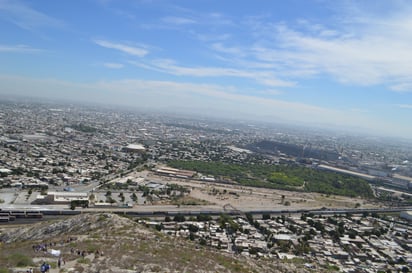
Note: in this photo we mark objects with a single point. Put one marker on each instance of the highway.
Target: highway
(160, 211)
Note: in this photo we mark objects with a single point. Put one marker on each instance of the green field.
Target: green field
(286, 177)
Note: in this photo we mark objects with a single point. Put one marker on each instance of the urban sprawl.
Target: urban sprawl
(238, 186)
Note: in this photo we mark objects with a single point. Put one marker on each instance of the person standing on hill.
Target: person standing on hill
(43, 267)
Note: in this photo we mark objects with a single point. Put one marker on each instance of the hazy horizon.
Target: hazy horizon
(343, 64)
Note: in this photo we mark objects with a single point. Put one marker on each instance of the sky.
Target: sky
(337, 64)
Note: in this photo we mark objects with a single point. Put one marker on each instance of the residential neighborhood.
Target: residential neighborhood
(349, 243)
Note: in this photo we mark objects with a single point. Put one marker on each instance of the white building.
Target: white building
(61, 197)
(134, 148)
(406, 215)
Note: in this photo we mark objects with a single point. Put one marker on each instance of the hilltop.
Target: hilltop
(110, 243)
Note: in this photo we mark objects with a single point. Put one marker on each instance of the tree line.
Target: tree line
(282, 176)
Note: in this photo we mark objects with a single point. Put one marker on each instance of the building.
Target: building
(406, 215)
(4, 171)
(134, 148)
(61, 197)
(175, 172)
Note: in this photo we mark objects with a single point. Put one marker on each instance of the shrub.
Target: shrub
(83, 260)
(20, 260)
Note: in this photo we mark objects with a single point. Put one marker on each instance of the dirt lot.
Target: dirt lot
(249, 198)
(209, 195)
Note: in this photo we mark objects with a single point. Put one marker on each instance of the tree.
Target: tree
(319, 226)
(203, 217)
(193, 228)
(110, 200)
(284, 246)
(134, 197)
(352, 233)
(335, 235)
(249, 218)
(79, 203)
(159, 227)
(179, 218)
(121, 195)
(301, 248)
(266, 216)
(92, 197)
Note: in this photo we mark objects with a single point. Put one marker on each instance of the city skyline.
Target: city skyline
(343, 64)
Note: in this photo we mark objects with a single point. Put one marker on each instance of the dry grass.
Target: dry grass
(190, 201)
(126, 245)
(129, 247)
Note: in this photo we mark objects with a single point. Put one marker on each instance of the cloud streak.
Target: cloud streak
(113, 65)
(371, 51)
(26, 17)
(18, 49)
(368, 50)
(130, 50)
(405, 106)
(169, 66)
(178, 20)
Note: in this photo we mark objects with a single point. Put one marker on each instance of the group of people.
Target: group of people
(40, 247)
(44, 246)
(45, 267)
(78, 252)
(84, 253)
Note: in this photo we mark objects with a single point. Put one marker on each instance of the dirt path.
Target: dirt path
(70, 265)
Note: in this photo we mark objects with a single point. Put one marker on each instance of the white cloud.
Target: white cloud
(213, 37)
(218, 19)
(228, 50)
(405, 106)
(368, 51)
(402, 87)
(131, 50)
(169, 66)
(113, 65)
(178, 20)
(272, 92)
(18, 49)
(26, 17)
(359, 110)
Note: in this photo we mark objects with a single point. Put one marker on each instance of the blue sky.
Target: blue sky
(342, 64)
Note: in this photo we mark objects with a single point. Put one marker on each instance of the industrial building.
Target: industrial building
(407, 215)
(61, 198)
(175, 172)
(134, 148)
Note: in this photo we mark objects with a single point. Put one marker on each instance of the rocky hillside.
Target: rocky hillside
(109, 243)
(82, 224)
